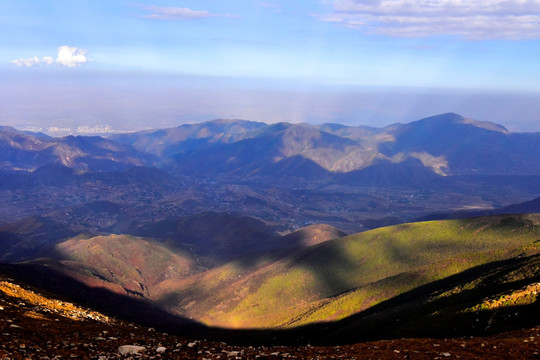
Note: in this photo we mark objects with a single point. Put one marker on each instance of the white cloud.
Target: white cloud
(175, 13)
(67, 56)
(47, 60)
(473, 19)
(71, 56)
(26, 62)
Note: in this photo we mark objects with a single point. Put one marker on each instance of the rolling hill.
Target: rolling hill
(532, 206)
(320, 282)
(121, 263)
(216, 236)
(338, 278)
(133, 265)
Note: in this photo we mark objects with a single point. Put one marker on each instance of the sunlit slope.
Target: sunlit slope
(487, 299)
(338, 278)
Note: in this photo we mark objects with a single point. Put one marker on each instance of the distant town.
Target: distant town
(80, 130)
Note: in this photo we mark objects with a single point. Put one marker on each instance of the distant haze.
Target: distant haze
(137, 101)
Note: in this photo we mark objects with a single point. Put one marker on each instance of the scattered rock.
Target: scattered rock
(161, 350)
(131, 349)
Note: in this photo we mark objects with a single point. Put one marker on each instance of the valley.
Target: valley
(244, 231)
(279, 174)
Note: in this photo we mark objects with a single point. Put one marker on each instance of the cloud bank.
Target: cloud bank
(472, 19)
(69, 56)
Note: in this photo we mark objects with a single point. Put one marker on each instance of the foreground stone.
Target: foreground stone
(131, 349)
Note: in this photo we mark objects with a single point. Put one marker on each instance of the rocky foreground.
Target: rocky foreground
(37, 326)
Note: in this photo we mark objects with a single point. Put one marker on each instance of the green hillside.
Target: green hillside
(487, 299)
(339, 278)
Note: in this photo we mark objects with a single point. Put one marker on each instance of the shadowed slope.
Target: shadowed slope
(218, 236)
(121, 263)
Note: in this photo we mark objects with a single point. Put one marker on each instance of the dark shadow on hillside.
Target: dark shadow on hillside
(100, 299)
(330, 271)
(332, 278)
(416, 313)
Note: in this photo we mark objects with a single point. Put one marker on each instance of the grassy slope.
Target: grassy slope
(336, 279)
(487, 299)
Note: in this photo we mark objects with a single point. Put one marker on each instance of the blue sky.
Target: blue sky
(160, 63)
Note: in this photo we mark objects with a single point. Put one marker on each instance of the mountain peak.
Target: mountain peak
(453, 118)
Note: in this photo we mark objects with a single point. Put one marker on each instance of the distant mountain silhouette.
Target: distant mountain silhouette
(446, 144)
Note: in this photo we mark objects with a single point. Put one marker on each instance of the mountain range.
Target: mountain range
(446, 144)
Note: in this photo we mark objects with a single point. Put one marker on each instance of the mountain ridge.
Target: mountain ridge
(439, 142)
(446, 144)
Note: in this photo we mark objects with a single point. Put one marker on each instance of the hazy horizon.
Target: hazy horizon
(164, 63)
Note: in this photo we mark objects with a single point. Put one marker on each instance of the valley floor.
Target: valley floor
(34, 326)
